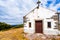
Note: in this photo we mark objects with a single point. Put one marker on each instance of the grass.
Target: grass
(12, 34)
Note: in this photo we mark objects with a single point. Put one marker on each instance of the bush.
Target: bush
(4, 26)
(19, 26)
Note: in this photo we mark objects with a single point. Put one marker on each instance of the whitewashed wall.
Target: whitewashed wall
(40, 14)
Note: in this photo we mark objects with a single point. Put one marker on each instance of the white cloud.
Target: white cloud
(16, 9)
(57, 6)
(15, 13)
(44, 2)
(51, 6)
(54, 7)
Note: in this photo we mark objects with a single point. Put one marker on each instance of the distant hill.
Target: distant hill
(13, 25)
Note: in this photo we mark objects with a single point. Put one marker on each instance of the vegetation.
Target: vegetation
(15, 32)
(5, 26)
(18, 26)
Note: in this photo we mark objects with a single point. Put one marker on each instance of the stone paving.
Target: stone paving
(38, 36)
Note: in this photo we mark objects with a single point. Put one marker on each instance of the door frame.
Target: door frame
(42, 25)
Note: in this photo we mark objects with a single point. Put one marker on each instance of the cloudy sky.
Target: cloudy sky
(12, 11)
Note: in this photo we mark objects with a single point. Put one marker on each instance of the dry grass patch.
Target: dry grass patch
(13, 34)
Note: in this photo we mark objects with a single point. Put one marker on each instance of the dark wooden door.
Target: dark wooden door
(38, 26)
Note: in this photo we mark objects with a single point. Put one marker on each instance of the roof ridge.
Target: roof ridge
(48, 9)
(41, 7)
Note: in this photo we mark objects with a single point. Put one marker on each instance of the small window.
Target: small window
(29, 24)
(49, 24)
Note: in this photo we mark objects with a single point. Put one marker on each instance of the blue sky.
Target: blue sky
(12, 11)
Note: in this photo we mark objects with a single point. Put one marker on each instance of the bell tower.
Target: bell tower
(38, 4)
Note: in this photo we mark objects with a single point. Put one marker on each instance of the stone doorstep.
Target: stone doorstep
(38, 35)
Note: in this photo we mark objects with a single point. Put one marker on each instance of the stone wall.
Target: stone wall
(55, 17)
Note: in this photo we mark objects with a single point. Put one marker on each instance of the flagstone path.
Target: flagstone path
(38, 36)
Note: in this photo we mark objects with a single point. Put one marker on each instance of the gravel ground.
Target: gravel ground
(38, 36)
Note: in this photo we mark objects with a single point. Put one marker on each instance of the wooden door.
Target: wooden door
(38, 26)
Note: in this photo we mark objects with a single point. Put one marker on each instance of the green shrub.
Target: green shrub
(5, 26)
(19, 26)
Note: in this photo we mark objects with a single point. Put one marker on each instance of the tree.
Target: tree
(4, 26)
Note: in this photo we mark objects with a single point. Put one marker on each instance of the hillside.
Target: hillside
(12, 34)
